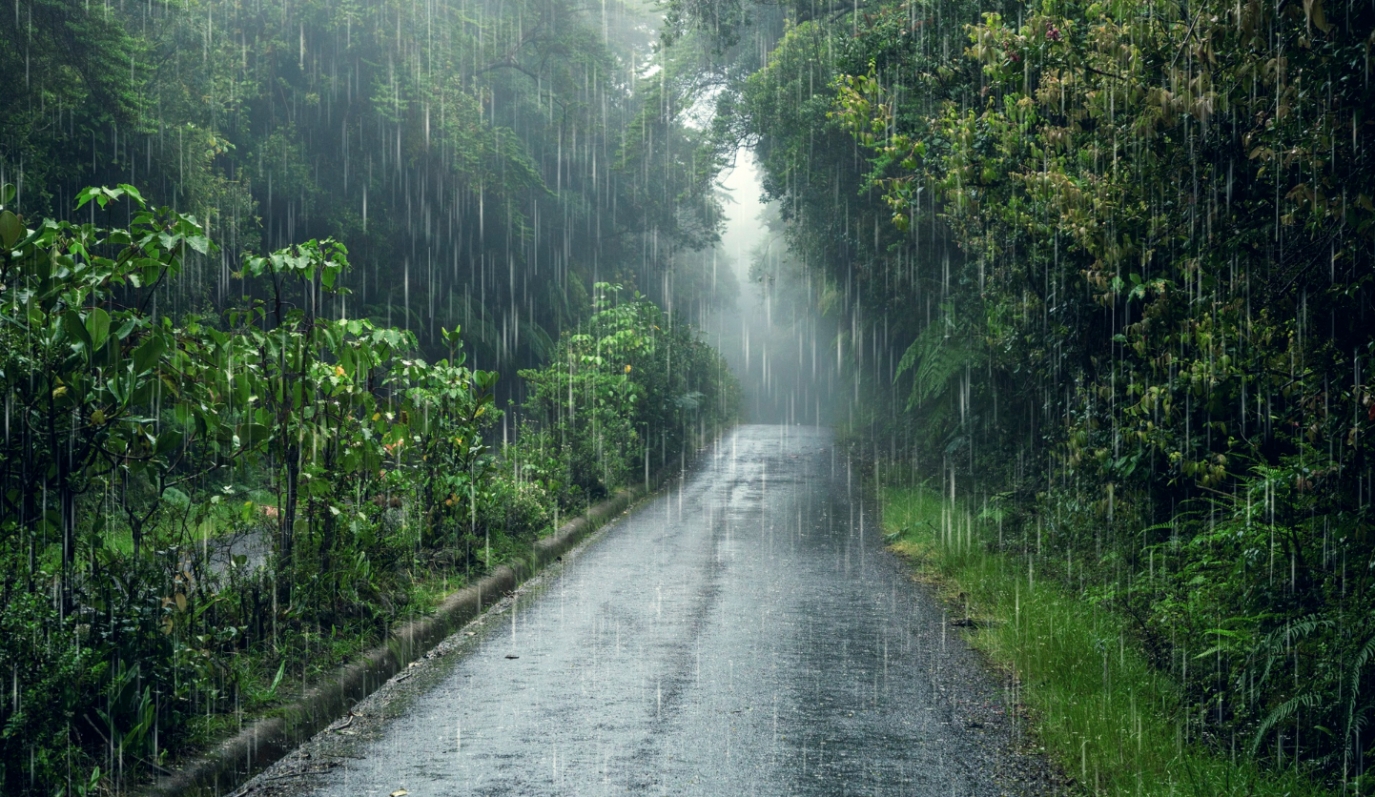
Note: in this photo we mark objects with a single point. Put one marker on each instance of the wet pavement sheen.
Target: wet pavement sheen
(742, 633)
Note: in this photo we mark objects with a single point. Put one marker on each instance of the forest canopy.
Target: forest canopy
(1106, 264)
(252, 256)
(1109, 265)
(483, 162)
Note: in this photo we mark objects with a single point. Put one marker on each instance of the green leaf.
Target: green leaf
(253, 434)
(71, 322)
(98, 325)
(169, 440)
(86, 195)
(147, 354)
(272, 690)
(328, 274)
(132, 193)
(11, 229)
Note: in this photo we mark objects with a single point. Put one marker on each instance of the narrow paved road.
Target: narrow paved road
(744, 633)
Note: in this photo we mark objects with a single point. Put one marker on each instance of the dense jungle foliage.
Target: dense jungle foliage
(483, 162)
(625, 395)
(242, 433)
(1108, 267)
(192, 502)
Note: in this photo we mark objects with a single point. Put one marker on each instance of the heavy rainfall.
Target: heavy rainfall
(410, 397)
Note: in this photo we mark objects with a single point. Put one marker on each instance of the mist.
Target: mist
(779, 345)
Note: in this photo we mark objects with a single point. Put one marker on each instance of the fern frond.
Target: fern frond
(1281, 639)
(938, 355)
(1281, 713)
(1356, 716)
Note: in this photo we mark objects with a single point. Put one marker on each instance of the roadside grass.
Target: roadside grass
(263, 679)
(431, 587)
(1108, 718)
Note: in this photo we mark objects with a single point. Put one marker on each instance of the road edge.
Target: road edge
(263, 742)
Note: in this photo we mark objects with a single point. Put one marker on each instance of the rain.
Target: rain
(687, 396)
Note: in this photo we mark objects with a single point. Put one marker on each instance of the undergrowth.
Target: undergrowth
(1112, 721)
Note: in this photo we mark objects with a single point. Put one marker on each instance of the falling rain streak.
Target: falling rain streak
(376, 294)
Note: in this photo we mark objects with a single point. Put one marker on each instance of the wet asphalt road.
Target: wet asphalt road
(742, 633)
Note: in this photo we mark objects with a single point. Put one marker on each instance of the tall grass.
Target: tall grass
(1100, 710)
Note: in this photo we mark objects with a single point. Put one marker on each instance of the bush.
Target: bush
(626, 393)
(344, 466)
(129, 429)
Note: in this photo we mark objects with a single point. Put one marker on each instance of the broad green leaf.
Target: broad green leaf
(76, 330)
(98, 325)
(132, 193)
(328, 274)
(169, 440)
(86, 195)
(11, 228)
(147, 354)
(253, 434)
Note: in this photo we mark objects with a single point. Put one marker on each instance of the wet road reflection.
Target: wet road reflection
(743, 633)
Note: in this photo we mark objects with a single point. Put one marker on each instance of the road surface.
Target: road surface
(742, 633)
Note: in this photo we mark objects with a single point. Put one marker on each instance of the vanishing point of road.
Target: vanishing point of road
(744, 632)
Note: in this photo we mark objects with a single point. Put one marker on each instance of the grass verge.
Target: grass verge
(265, 679)
(1100, 710)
